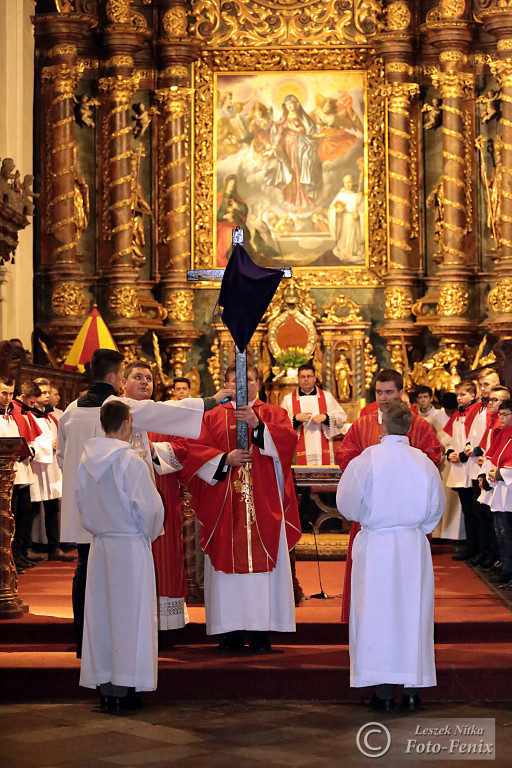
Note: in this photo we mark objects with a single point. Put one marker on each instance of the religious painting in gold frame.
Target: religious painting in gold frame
(312, 198)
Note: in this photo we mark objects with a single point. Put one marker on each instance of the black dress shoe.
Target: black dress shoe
(487, 563)
(507, 587)
(491, 568)
(259, 642)
(381, 705)
(34, 557)
(19, 568)
(476, 560)
(25, 562)
(500, 576)
(232, 641)
(119, 704)
(58, 554)
(461, 556)
(411, 702)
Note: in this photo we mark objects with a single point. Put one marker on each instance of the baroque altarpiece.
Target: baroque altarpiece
(366, 144)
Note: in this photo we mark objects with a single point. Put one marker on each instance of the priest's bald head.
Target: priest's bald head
(389, 386)
(396, 418)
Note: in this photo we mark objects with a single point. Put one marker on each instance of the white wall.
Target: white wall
(16, 123)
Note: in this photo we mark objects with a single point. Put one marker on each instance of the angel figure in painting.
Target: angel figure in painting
(333, 117)
(143, 117)
(433, 115)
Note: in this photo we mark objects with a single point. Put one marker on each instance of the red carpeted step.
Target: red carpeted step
(465, 673)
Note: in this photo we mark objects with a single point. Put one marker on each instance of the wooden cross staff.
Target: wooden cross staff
(196, 275)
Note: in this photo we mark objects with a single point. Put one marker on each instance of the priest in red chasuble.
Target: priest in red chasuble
(245, 502)
(367, 431)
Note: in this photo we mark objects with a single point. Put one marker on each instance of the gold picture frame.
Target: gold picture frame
(209, 71)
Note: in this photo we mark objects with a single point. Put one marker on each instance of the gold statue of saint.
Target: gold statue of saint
(343, 378)
(81, 202)
(140, 208)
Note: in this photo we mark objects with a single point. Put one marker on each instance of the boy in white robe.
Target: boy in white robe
(120, 506)
(395, 492)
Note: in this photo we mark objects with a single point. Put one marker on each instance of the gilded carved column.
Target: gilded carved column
(175, 98)
(395, 45)
(498, 21)
(123, 36)
(450, 33)
(62, 222)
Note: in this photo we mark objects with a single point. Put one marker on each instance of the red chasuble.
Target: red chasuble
(237, 537)
(168, 548)
(363, 433)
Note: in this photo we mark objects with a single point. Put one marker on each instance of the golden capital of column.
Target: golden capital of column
(502, 71)
(64, 76)
(453, 85)
(175, 99)
(399, 94)
(120, 87)
(63, 49)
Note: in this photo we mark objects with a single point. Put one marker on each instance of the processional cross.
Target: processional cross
(196, 275)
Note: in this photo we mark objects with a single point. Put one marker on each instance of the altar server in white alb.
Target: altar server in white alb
(316, 418)
(121, 508)
(395, 492)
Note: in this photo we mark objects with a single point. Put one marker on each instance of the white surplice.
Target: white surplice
(47, 475)
(256, 602)
(174, 417)
(451, 525)
(121, 508)
(395, 492)
(313, 432)
(23, 469)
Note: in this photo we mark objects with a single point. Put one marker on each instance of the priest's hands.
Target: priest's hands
(303, 416)
(223, 394)
(319, 418)
(492, 474)
(238, 457)
(246, 413)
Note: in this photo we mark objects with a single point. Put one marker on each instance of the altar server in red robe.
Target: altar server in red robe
(246, 535)
(367, 431)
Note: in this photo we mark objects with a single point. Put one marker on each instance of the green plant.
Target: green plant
(292, 357)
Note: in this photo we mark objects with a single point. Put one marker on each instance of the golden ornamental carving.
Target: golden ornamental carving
(398, 16)
(453, 85)
(259, 23)
(119, 61)
(120, 87)
(502, 71)
(214, 363)
(399, 68)
(68, 300)
(453, 56)
(370, 364)
(398, 303)
(453, 300)
(64, 49)
(283, 60)
(120, 12)
(343, 302)
(175, 99)
(175, 22)
(504, 45)
(500, 298)
(451, 9)
(180, 306)
(177, 70)
(124, 302)
(64, 77)
(399, 95)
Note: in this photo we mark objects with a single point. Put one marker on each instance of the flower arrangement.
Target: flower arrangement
(292, 357)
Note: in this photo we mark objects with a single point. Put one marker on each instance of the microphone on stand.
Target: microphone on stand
(322, 595)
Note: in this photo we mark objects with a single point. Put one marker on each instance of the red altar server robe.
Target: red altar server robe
(168, 548)
(232, 545)
(363, 433)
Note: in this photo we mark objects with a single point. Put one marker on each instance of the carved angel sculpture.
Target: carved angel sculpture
(433, 115)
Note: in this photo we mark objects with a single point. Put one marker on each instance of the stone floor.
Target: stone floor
(256, 734)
